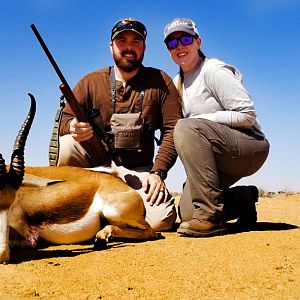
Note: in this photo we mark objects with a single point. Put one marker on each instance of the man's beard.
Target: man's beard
(127, 65)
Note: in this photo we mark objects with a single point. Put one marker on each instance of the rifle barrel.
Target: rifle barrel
(49, 55)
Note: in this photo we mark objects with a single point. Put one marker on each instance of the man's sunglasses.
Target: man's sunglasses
(185, 40)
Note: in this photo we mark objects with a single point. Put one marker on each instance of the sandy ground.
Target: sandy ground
(259, 264)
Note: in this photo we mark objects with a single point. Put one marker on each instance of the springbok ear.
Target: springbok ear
(17, 165)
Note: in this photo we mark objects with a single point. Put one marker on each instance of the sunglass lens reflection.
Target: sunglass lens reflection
(186, 40)
(172, 44)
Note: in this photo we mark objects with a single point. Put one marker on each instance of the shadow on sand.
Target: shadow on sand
(41, 252)
(233, 227)
(22, 255)
(261, 226)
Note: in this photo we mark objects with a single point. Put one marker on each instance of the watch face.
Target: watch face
(163, 175)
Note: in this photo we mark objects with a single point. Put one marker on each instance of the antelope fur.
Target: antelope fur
(70, 210)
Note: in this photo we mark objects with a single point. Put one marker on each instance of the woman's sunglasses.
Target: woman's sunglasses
(185, 40)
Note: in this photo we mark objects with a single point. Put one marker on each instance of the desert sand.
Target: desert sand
(263, 263)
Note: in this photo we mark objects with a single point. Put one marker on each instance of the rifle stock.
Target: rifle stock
(95, 144)
(73, 103)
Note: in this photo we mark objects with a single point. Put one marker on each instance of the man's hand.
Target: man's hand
(80, 131)
(155, 189)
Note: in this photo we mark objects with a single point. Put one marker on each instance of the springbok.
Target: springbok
(64, 205)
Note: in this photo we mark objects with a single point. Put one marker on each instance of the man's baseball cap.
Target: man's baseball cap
(129, 24)
(181, 24)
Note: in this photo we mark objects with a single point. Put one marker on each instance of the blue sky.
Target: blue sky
(260, 37)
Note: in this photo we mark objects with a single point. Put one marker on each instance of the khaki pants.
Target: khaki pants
(215, 157)
(160, 218)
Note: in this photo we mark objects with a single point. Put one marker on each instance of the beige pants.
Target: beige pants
(219, 157)
(160, 218)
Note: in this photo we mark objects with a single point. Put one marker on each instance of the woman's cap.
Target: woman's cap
(131, 25)
(181, 24)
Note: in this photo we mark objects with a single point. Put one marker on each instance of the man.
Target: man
(126, 89)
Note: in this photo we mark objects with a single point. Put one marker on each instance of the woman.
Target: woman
(219, 141)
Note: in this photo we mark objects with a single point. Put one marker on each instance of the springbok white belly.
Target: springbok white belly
(77, 231)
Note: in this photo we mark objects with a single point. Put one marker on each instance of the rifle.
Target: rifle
(97, 141)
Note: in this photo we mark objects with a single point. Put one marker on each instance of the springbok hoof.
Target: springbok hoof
(100, 244)
(4, 256)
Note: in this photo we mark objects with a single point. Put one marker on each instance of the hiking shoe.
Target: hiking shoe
(200, 228)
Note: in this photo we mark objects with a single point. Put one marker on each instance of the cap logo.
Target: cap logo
(178, 23)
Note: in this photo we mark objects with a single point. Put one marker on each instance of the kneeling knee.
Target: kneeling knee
(164, 222)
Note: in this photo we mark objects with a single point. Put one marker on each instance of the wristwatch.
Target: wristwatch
(162, 174)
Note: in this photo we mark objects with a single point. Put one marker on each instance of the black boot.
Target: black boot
(239, 203)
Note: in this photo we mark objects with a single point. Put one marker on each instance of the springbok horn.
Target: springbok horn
(17, 165)
(2, 172)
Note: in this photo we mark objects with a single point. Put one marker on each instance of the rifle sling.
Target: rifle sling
(54, 142)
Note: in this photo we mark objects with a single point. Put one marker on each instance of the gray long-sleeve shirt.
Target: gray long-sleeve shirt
(214, 90)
